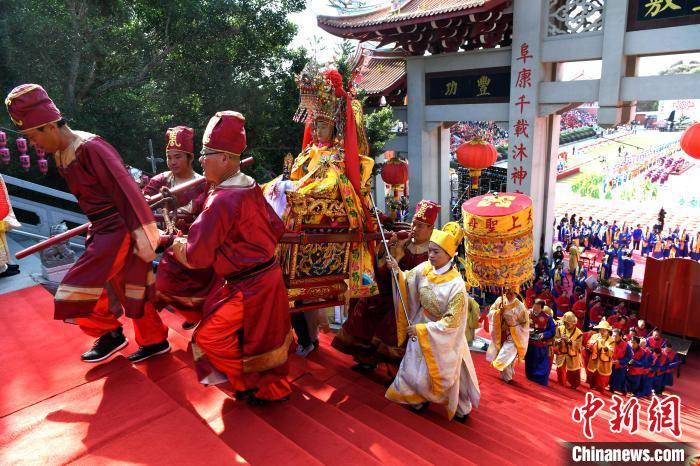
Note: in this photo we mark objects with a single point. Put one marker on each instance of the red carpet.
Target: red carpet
(55, 409)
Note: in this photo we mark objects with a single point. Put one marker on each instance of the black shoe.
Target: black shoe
(419, 408)
(189, 325)
(255, 401)
(364, 368)
(461, 418)
(13, 266)
(145, 352)
(105, 346)
(9, 272)
(244, 394)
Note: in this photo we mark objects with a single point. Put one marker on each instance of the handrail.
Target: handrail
(41, 237)
(39, 188)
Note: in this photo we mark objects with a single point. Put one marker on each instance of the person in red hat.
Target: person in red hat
(245, 333)
(183, 289)
(119, 249)
(369, 333)
(179, 153)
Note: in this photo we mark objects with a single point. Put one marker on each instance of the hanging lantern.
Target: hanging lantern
(690, 141)
(476, 155)
(395, 171)
(3, 139)
(43, 166)
(5, 155)
(21, 145)
(25, 161)
(498, 236)
(40, 152)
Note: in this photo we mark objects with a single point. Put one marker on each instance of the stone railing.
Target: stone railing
(575, 16)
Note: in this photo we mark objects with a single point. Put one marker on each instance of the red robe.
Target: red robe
(176, 285)
(96, 175)
(237, 234)
(369, 333)
(186, 213)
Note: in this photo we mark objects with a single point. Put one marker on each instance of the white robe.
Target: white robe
(515, 320)
(437, 366)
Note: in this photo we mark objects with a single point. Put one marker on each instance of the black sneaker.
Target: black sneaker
(253, 400)
(10, 272)
(364, 368)
(189, 325)
(244, 394)
(145, 352)
(461, 418)
(105, 346)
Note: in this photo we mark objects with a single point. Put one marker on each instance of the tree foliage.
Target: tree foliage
(129, 69)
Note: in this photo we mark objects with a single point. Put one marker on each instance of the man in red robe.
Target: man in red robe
(245, 331)
(183, 290)
(369, 333)
(120, 243)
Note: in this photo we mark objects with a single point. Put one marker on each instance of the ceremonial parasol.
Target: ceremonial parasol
(498, 240)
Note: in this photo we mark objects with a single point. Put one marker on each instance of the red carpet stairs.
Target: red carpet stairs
(55, 409)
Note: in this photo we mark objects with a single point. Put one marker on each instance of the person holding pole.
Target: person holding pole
(431, 311)
(121, 241)
(245, 332)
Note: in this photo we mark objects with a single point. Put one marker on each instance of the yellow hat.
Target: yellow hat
(448, 238)
(603, 325)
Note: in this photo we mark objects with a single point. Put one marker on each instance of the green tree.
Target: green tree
(128, 69)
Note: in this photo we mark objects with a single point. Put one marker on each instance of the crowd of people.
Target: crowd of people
(577, 118)
(621, 242)
(465, 131)
(617, 351)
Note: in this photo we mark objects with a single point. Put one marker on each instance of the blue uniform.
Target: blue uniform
(537, 359)
(623, 354)
(635, 372)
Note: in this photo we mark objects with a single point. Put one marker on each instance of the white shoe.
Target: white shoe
(304, 351)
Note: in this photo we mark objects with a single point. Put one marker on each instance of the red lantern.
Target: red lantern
(3, 139)
(476, 155)
(690, 141)
(5, 155)
(43, 166)
(395, 172)
(25, 162)
(21, 145)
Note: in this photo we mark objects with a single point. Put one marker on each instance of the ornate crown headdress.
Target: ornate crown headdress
(318, 98)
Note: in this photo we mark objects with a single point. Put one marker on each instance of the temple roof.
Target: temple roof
(382, 71)
(433, 25)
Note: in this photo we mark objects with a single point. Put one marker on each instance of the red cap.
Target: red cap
(30, 107)
(180, 138)
(427, 212)
(225, 132)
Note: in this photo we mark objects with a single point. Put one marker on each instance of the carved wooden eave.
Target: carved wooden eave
(435, 26)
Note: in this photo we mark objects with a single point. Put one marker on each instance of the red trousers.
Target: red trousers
(219, 336)
(601, 381)
(573, 377)
(149, 329)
